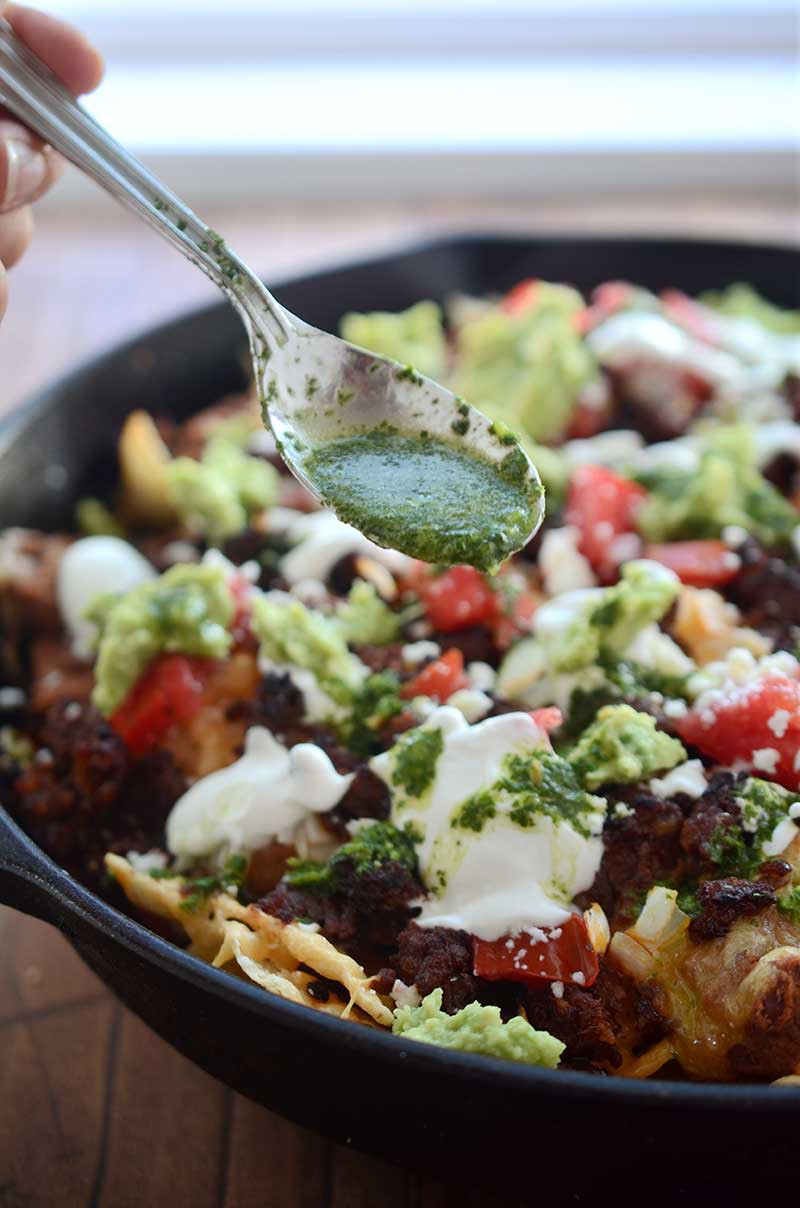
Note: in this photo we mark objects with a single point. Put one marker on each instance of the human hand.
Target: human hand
(27, 166)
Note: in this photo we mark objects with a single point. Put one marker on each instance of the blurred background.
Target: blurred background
(309, 130)
(381, 99)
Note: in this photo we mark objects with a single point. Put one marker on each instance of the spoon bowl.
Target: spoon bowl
(440, 482)
(396, 454)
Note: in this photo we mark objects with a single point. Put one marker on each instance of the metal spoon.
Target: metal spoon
(313, 386)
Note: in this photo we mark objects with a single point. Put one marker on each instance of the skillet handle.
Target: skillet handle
(22, 883)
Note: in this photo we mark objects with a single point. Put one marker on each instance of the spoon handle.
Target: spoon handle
(34, 94)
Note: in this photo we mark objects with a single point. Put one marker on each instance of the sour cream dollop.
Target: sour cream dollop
(504, 877)
(89, 568)
(266, 794)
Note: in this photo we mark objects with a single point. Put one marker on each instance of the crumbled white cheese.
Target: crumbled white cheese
(711, 684)
(481, 676)
(656, 650)
(145, 862)
(688, 778)
(605, 449)
(405, 996)
(415, 653)
(675, 709)
(557, 988)
(624, 547)
(422, 707)
(263, 796)
(472, 703)
(779, 722)
(623, 810)
(180, 551)
(563, 566)
(765, 759)
(311, 592)
(734, 535)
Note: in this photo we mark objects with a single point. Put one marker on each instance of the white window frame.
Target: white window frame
(726, 138)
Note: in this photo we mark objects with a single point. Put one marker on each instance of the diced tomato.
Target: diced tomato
(170, 690)
(613, 295)
(456, 599)
(607, 299)
(563, 953)
(756, 723)
(697, 563)
(547, 719)
(440, 679)
(602, 505)
(521, 297)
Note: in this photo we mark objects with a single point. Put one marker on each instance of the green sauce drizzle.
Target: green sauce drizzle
(430, 499)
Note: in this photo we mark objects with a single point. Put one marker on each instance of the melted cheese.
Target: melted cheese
(267, 794)
(504, 877)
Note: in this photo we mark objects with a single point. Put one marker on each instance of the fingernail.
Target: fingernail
(26, 171)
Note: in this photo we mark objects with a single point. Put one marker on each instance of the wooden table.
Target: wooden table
(95, 1109)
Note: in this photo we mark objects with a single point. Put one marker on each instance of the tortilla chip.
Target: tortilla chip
(268, 952)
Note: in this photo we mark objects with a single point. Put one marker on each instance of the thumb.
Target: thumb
(27, 167)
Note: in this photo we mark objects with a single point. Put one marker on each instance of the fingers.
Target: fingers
(65, 50)
(16, 230)
(27, 167)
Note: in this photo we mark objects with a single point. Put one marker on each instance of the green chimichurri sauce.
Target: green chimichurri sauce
(427, 498)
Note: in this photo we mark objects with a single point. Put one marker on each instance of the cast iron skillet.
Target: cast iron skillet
(351, 1082)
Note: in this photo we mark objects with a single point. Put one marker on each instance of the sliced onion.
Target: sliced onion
(633, 958)
(660, 918)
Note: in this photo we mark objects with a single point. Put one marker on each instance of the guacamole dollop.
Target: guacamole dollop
(187, 609)
(477, 1029)
(725, 489)
(365, 617)
(585, 627)
(216, 495)
(528, 368)
(622, 746)
(292, 635)
(413, 337)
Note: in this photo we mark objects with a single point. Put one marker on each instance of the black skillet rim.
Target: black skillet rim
(56, 884)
